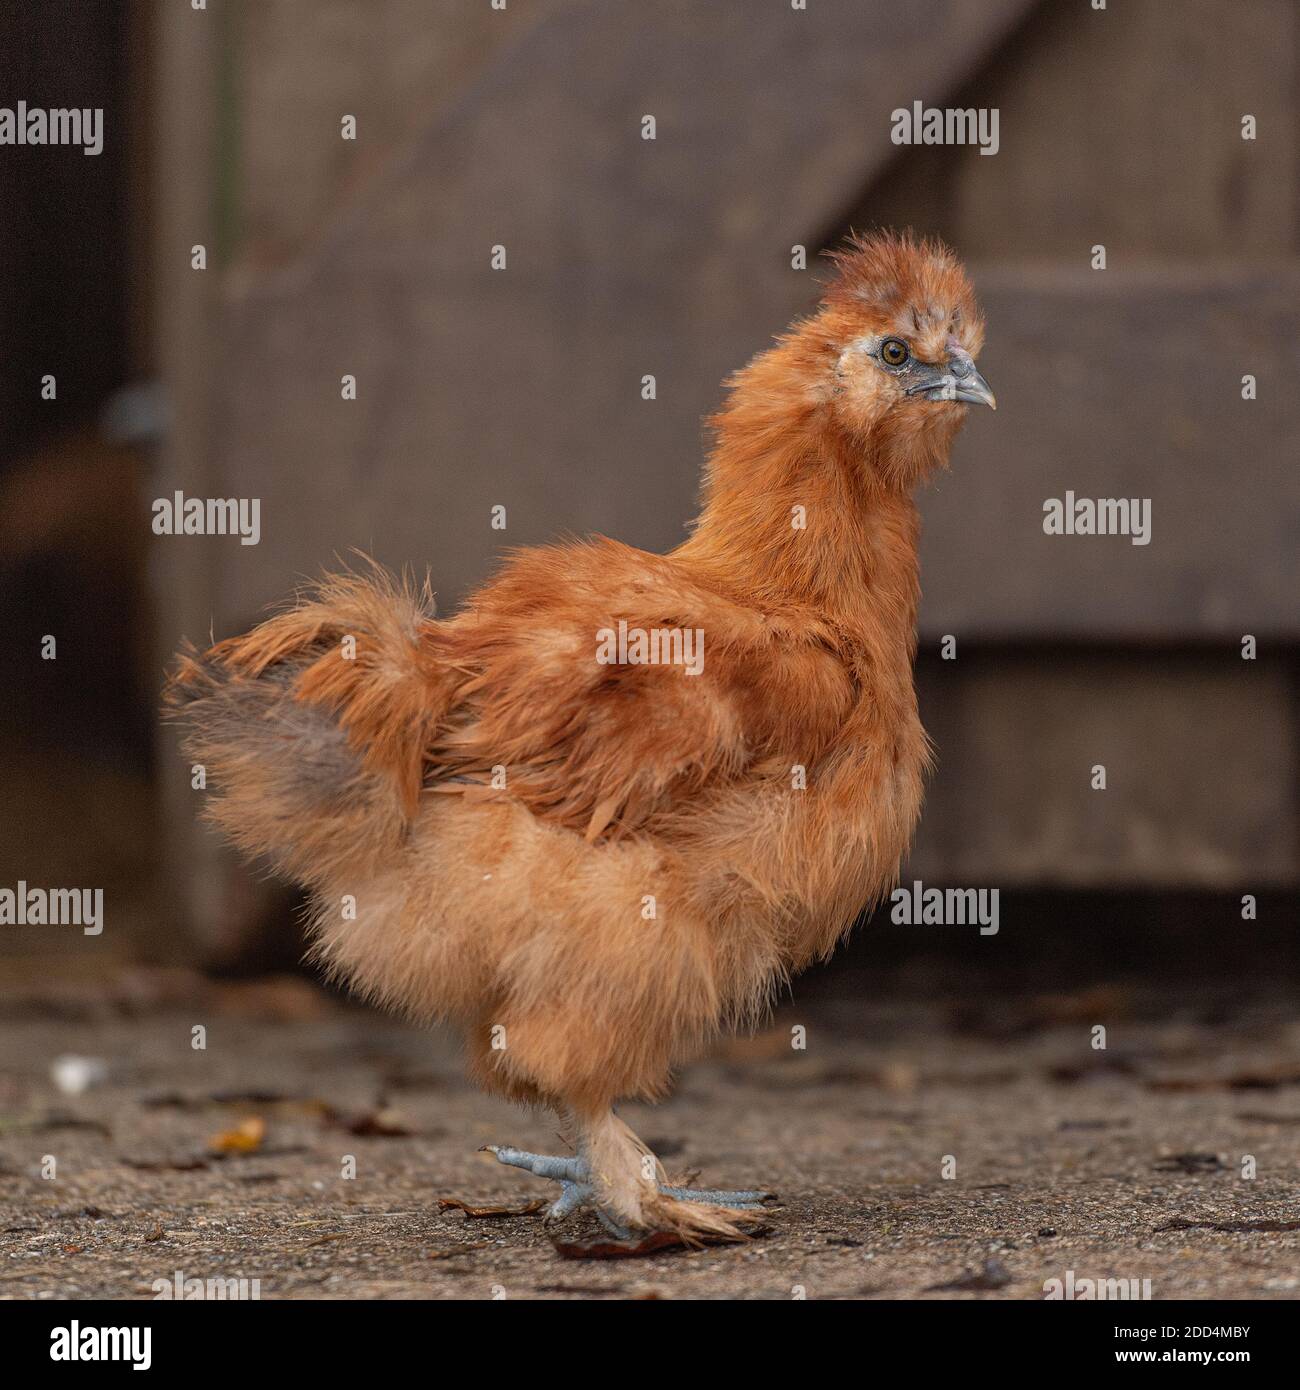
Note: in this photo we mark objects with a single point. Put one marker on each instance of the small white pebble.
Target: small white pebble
(73, 1075)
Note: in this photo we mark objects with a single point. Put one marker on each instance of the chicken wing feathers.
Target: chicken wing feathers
(608, 688)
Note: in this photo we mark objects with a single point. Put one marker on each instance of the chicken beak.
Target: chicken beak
(958, 379)
(973, 389)
(967, 383)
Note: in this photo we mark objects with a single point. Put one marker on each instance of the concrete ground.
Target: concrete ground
(1129, 1162)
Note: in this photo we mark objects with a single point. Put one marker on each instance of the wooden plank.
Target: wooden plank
(1201, 762)
(303, 64)
(1126, 384)
(1107, 136)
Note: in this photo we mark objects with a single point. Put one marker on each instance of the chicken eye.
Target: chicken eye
(893, 352)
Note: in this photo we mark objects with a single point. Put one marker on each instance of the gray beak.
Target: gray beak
(975, 390)
(958, 379)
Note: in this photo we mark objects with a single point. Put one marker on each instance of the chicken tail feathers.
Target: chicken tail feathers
(313, 727)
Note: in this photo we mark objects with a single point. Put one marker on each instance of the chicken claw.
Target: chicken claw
(577, 1192)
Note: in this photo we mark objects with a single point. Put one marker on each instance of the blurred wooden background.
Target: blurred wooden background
(625, 257)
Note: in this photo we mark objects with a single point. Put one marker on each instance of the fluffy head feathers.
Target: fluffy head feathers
(892, 282)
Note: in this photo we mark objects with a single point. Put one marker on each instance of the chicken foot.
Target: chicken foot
(577, 1190)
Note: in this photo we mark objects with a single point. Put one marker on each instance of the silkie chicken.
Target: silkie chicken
(594, 865)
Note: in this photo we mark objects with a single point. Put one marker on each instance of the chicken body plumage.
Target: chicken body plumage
(593, 865)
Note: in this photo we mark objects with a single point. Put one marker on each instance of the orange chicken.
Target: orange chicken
(610, 807)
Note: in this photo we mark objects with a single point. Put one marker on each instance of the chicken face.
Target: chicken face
(950, 376)
(903, 329)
